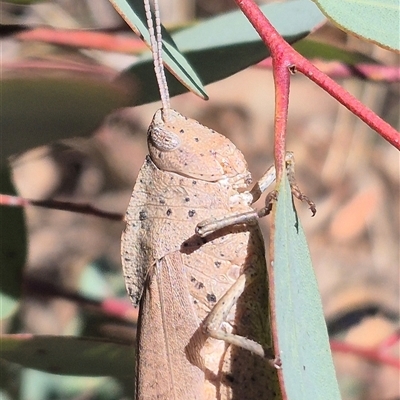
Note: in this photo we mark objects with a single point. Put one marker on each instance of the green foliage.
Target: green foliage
(12, 249)
(62, 111)
(302, 338)
(323, 51)
(132, 11)
(37, 385)
(377, 21)
(68, 355)
(226, 44)
(216, 48)
(25, 2)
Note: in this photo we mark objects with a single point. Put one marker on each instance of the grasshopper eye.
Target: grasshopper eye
(163, 139)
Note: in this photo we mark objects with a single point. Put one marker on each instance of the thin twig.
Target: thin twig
(84, 39)
(339, 70)
(284, 56)
(87, 209)
(389, 341)
(371, 354)
(117, 308)
(133, 45)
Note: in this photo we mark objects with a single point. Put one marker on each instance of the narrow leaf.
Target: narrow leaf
(67, 355)
(328, 52)
(132, 11)
(40, 106)
(12, 249)
(224, 45)
(302, 338)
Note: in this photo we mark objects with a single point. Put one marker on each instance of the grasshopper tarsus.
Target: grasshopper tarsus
(296, 192)
(276, 362)
(269, 201)
(293, 184)
(302, 197)
(272, 197)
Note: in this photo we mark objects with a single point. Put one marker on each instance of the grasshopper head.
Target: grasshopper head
(184, 146)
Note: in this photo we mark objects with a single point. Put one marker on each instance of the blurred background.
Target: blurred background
(55, 92)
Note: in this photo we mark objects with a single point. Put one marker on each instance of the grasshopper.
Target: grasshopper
(194, 260)
(193, 174)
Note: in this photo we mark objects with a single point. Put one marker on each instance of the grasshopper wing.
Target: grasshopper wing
(163, 368)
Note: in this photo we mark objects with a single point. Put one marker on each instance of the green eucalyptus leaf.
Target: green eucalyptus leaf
(302, 339)
(132, 11)
(38, 107)
(38, 385)
(324, 51)
(377, 21)
(67, 355)
(226, 44)
(41, 105)
(13, 246)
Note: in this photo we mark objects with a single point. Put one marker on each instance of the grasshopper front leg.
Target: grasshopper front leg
(211, 225)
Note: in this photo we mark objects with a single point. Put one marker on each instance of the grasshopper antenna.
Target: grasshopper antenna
(156, 49)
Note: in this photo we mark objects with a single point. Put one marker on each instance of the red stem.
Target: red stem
(389, 341)
(117, 308)
(286, 60)
(15, 201)
(341, 70)
(290, 57)
(84, 39)
(348, 100)
(369, 354)
(282, 86)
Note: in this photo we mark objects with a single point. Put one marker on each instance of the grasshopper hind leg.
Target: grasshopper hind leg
(213, 325)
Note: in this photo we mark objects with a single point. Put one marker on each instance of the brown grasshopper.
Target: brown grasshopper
(193, 257)
(193, 174)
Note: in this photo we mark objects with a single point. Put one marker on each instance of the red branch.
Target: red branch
(285, 60)
(371, 354)
(285, 57)
(133, 45)
(389, 341)
(282, 85)
(340, 70)
(84, 39)
(114, 307)
(15, 201)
